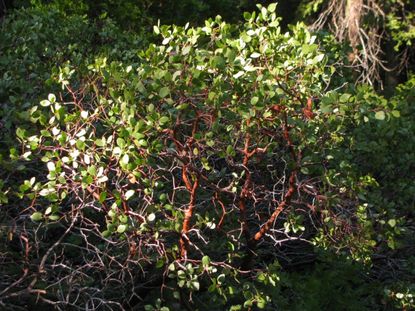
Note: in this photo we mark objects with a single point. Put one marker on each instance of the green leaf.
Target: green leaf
(36, 216)
(142, 143)
(102, 196)
(205, 261)
(261, 303)
(48, 210)
(54, 217)
(182, 106)
(186, 50)
(218, 62)
(51, 166)
(45, 192)
(21, 133)
(45, 103)
(52, 98)
(396, 113)
(99, 142)
(141, 88)
(164, 120)
(272, 7)
(121, 228)
(392, 222)
(120, 142)
(125, 159)
(380, 115)
(129, 194)
(150, 108)
(344, 98)
(163, 197)
(238, 74)
(254, 100)
(151, 217)
(318, 59)
(106, 233)
(164, 91)
(195, 285)
(123, 219)
(84, 114)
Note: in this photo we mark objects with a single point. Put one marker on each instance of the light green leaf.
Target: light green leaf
(48, 210)
(120, 142)
(99, 142)
(150, 108)
(151, 217)
(195, 285)
(54, 217)
(186, 50)
(392, 222)
(106, 233)
(164, 91)
(45, 192)
(51, 166)
(140, 87)
(121, 228)
(238, 74)
(380, 115)
(272, 7)
(142, 143)
(125, 159)
(182, 106)
(205, 261)
(344, 98)
(129, 194)
(164, 120)
(52, 98)
(45, 103)
(316, 60)
(254, 100)
(36, 216)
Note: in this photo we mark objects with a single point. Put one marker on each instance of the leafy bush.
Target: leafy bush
(128, 14)
(35, 43)
(205, 172)
(206, 153)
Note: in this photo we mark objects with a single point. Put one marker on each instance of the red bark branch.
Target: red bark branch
(287, 199)
(184, 240)
(291, 186)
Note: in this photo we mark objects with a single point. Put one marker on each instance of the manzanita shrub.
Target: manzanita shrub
(221, 148)
(34, 43)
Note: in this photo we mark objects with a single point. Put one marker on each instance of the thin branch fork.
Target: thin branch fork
(292, 188)
(287, 199)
